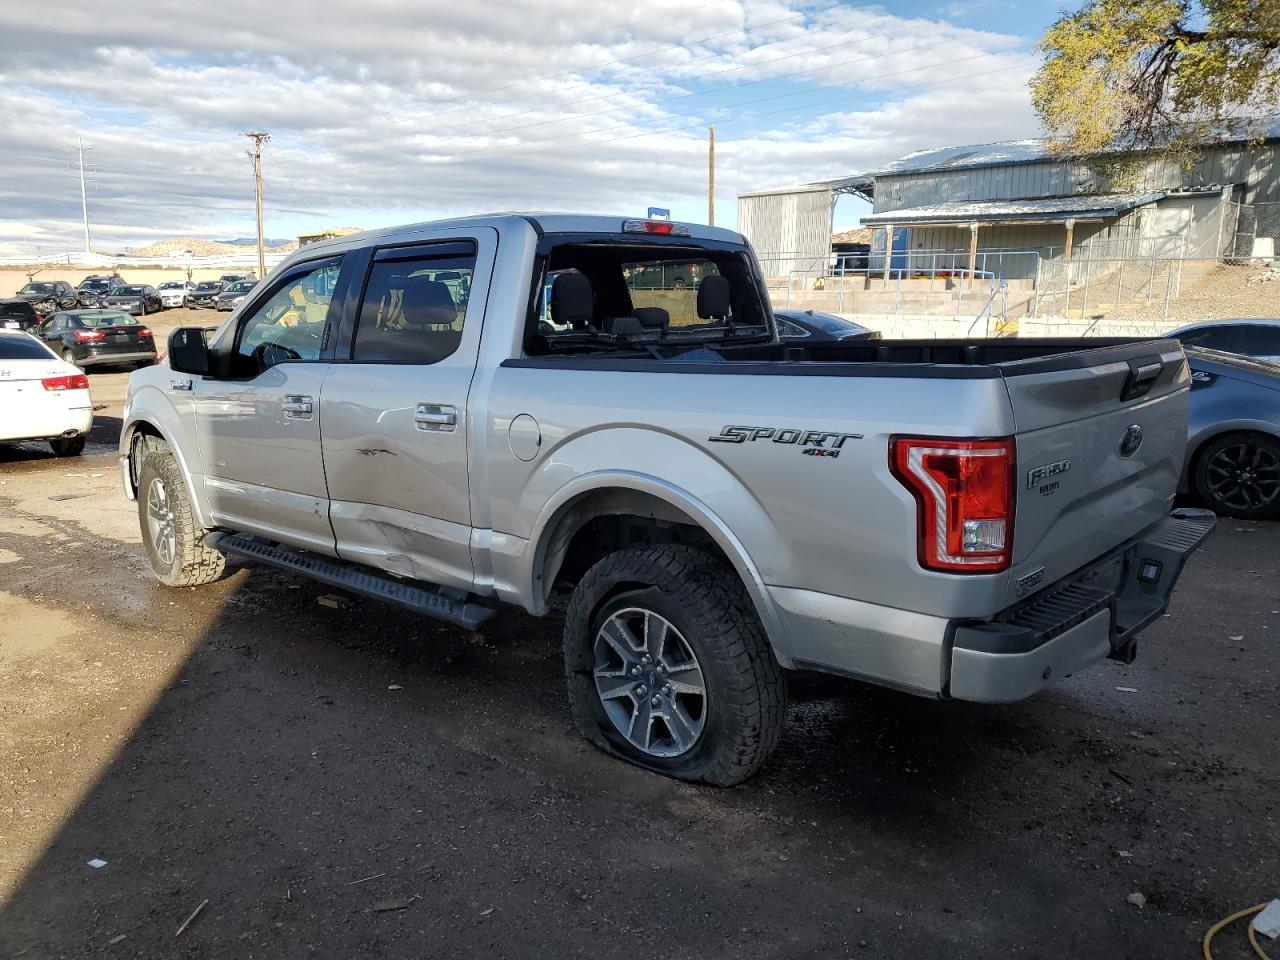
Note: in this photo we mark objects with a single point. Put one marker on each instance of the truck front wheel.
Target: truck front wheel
(669, 668)
(173, 541)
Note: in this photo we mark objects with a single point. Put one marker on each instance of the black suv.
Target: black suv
(18, 315)
(48, 296)
(95, 288)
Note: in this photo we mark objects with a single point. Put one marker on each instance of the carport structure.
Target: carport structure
(975, 214)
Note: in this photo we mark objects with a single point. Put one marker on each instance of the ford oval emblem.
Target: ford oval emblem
(1130, 441)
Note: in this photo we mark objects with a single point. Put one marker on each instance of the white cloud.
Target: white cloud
(382, 111)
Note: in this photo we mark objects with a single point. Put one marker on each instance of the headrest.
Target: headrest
(572, 301)
(622, 326)
(652, 318)
(427, 302)
(713, 298)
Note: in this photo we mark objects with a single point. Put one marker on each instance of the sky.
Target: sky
(384, 111)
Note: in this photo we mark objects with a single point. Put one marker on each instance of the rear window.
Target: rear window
(171, 285)
(114, 319)
(23, 310)
(24, 348)
(661, 280)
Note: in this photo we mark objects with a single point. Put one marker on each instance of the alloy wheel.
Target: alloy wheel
(161, 527)
(650, 682)
(1244, 476)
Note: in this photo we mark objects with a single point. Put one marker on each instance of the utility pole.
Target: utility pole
(259, 137)
(711, 179)
(84, 200)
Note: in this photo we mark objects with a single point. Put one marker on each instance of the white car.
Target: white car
(173, 293)
(42, 397)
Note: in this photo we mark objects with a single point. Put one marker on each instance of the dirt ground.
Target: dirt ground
(1221, 292)
(357, 781)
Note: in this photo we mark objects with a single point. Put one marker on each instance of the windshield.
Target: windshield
(243, 286)
(672, 291)
(106, 318)
(23, 347)
(95, 285)
(172, 285)
(128, 291)
(37, 288)
(207, 287)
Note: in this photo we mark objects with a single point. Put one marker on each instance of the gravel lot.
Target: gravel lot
(355, 781)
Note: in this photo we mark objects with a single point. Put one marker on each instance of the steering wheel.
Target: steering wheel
(269, 354)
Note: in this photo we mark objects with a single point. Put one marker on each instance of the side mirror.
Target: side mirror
(187, 351)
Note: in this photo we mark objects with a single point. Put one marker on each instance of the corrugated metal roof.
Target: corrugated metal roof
(997, 154)
(1100, 206)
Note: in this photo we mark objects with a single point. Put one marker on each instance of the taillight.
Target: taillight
(77, 381)
(964, 494)
(144, 332)
(83, 335)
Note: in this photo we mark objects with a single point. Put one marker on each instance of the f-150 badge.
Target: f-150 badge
(814, 443)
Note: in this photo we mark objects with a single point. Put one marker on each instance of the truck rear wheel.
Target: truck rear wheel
(669, 668)
(173, 541)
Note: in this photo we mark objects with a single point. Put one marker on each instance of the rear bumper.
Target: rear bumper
(102, 359)
(1095, 613)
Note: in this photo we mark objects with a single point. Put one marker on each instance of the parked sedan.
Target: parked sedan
(1252, 338)
(49, 295)
(173, 293)
(41, 397)
(91, 338)
(18, 315)
(1233, 442)
(231, 297)
(813, 326)
(135, 298)
(205, 294)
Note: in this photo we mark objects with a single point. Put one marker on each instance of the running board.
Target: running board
(411, 595)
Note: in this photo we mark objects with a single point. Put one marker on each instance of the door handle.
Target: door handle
(297, 408)
(435, 416)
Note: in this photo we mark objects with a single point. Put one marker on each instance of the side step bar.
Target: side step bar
(412, 595)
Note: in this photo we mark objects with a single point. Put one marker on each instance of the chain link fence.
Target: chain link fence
(1252, 222)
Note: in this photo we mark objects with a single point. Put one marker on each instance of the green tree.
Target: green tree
(1166, 74)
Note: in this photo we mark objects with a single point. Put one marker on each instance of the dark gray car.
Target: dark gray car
(1233, 434)
(1251, 338)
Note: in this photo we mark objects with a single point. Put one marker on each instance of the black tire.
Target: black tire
(191, 562)
(68, 446)
(745, 703)
(1238, 475)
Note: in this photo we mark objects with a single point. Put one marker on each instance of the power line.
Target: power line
(524, 147)
(379, 144)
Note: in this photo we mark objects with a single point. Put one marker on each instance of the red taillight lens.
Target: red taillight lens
(144, 332)
(77, 381)
(964, 494)
(83, 335)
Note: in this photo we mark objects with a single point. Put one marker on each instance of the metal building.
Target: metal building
(792, 226)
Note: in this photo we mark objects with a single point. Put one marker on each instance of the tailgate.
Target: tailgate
(1100, 438)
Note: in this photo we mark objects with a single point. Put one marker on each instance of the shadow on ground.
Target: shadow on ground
(363, 782)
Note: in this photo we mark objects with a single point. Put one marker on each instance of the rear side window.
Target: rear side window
(414, 308)
(1259, 341)
(24, 348)
(1214, 338)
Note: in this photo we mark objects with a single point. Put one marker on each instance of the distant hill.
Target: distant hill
(199, 247)
(269, 243)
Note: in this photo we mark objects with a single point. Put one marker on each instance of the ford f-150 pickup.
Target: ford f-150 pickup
(463, 413)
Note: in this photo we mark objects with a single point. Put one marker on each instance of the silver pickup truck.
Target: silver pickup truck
(508, 408)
